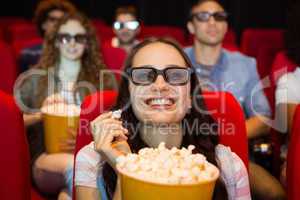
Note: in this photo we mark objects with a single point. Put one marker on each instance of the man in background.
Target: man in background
(126, 28)
(221, 70)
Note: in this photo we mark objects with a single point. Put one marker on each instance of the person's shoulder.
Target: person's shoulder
(237, 56)
(87, 154)
(239, 62)
(288, 79)
(188, 50)
(88, 166)
(227, 157)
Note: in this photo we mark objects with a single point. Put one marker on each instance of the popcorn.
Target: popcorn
(167, 166)
(117, 114)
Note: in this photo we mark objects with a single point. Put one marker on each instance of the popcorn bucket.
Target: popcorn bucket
(57, 120)
(136, 189)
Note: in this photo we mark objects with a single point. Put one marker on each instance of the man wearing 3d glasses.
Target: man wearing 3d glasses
(221, 70)
(126, 27)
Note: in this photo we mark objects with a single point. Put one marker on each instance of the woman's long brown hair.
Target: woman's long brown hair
(91, 60)
(205, 142)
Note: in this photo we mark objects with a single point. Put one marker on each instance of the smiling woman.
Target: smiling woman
(156, 106)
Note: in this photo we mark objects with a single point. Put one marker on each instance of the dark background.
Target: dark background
(243, 13)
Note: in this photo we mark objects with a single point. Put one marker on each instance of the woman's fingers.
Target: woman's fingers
(102, 117)
(68, 145)
(102, 127)
(71, 131)
(111, 129)
(105, 143)
(121, 146)
(108, 131)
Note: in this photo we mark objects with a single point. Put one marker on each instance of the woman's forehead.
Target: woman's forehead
(72, 26)
(158, 54)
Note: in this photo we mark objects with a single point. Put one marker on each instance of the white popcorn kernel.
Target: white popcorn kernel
(191, 148)
(117, 114)
(168, 166)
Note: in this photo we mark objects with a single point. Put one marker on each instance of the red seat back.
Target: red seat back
(281, 65)
(265, 57)
(293, 159)
(227, 112)
(8, 68)
(14, 168)
(6, 22)
(24, 31)
(163, 31)
(114, 58)
(2, 36)
(98, 22)
(253, 39)
(19, 45)
(103, 31)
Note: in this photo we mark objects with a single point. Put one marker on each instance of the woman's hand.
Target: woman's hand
(109, 137)
(30, 119)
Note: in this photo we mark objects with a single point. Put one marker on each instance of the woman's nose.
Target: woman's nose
(72, 42)
(160, 84)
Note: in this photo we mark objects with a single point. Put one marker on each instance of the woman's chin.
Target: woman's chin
(161, 117)
(72, 57)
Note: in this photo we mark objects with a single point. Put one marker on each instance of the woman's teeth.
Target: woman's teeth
(72, 51)
(160, 101)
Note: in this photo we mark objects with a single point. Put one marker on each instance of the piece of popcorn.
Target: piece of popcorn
(117, 114)
(169, 166)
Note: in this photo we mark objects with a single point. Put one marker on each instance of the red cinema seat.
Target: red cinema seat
(265, 57)
(15, 167)
(19, 45)
(24, 31)
(8, 68)
(281, 65)
(163, 31)
(229, 115)
(8, 21)
(254, 39)
(103, 31)
(98, 22)
(113, 58)
(230, 47)
(2, 37)
(293, 159)
(99, 25)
